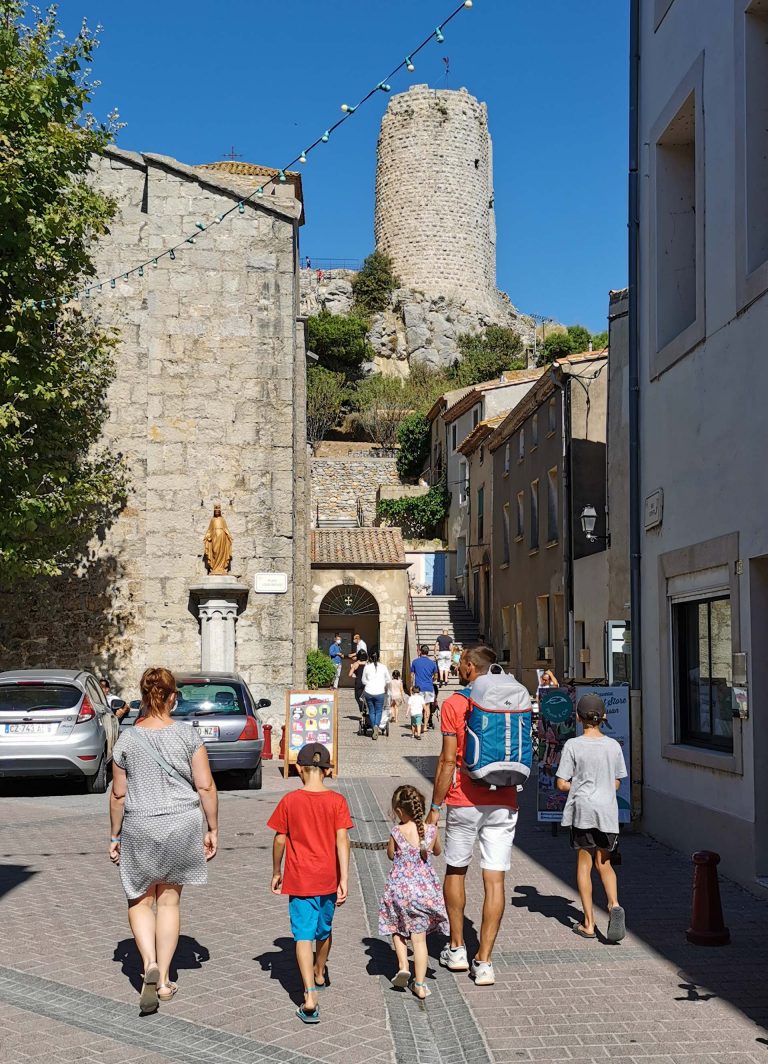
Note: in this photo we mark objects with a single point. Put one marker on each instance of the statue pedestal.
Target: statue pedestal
(219, 600)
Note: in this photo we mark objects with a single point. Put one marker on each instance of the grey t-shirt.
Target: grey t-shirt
(592, 766)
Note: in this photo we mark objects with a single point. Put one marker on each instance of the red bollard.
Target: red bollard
(281, 755)
(266, 753)
(707, 926)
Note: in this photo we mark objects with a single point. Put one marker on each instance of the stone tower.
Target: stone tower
(434, 195)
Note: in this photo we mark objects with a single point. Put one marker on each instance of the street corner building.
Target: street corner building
(208, 406)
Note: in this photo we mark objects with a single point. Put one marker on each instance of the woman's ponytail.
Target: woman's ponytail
(157, 686)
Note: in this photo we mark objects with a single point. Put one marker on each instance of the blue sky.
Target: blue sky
(192, 78)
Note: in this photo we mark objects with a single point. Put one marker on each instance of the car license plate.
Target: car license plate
(208, 731)
(30, 729)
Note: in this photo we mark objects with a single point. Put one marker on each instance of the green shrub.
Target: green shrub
(486, 356)
(339, 341)
(580, 338)
(418, 517)
(413, 435)
(382, 403)
(321, 671)
(556, 345)
(374, 284)
(599, 340)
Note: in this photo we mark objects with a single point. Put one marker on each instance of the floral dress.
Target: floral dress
(413, 898)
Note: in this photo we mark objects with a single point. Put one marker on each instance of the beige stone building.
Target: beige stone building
(207, 405)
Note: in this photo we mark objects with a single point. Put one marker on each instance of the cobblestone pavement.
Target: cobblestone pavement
(69, 971)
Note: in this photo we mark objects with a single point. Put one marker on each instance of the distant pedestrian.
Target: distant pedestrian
(160, 778)
(591, 768)
(423, 674)
(376, 680)
(443, 648)
(416, 712)
(412, 905)
(118, 705)
(359, 644)
(336, 655)
(311, 827)
(395, 695)
(356, 674)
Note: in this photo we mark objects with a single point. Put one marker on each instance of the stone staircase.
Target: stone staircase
(435, 612)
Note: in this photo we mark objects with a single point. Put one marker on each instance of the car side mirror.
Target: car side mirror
(136, 703)
(118, 703)
(263, 703)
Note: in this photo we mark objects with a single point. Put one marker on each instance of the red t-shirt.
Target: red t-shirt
(310, 820)
(465, 791)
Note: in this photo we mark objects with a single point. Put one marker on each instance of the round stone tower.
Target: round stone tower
(434, 195)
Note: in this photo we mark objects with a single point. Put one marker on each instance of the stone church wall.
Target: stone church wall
(207, 405)
(338, 483)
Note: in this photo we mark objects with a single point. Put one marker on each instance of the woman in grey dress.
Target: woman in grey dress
(160, 779)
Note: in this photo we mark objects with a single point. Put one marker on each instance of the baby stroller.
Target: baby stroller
(365, 727)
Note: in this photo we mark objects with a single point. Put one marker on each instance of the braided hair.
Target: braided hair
(410, 800)
(157, 685)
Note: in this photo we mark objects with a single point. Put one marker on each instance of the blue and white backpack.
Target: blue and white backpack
(498, 749)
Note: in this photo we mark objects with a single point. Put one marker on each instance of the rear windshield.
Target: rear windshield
(209, 699)
(38, 696)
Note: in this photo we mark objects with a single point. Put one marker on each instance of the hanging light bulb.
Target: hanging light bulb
(409, 64)
(259, 191)
(241, 207)
(125, 276)
(347, 109)
(303, 157)
(112, 283)
(200, 226)
(439, 35)
(172, 255)
(467, 3)
(384, 87)
(282, 178)
(325, 137)
(141, 271)
(190, 240)
(154, 263)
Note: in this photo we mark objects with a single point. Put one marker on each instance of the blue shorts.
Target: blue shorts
(311, 918)
(416, 720)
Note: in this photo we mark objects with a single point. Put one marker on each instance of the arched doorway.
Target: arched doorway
(348, 608)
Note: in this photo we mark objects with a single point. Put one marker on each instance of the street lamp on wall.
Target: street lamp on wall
(588, 522)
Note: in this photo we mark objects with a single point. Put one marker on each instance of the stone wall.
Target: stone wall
(338, 483)
(434, 194)
(207, 405)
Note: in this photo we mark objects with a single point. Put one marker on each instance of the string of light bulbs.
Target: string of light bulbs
(348, 110)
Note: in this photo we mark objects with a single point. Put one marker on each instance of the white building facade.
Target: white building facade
(702, 319)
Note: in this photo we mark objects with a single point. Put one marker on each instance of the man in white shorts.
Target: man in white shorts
(443, 648)
(475, 814)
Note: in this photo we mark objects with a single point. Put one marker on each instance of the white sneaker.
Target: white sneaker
(455, 960)
(482, 973)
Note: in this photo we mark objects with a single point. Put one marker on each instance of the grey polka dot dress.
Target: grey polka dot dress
(162, 834)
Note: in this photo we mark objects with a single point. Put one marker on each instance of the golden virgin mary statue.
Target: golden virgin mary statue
(217, 545)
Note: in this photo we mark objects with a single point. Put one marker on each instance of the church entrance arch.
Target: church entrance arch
(347, 609)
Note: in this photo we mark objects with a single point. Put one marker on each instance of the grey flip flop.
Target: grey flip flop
(581, 932)
(401, 980)
(617, 924)
(149, 1001)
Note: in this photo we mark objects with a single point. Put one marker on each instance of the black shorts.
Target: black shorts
(593, 839)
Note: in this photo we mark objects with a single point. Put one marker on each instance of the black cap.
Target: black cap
(591, 707)
(314, 754)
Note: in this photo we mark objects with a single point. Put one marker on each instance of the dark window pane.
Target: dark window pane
(703, 653)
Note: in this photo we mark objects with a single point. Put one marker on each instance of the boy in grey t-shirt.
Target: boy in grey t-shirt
(590, 769)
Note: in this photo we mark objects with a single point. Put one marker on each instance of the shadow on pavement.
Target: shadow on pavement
(40, 786)
(12, 876)
(281, 965)
(551, 905)
(189, 956)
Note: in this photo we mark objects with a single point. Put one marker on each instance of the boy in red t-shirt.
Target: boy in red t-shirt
(312, 832)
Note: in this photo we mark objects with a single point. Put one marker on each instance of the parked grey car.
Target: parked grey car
(222, 710)
(56, 722)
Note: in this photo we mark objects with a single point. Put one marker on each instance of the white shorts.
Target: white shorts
(428, 696)
(444, 660)
(494, 827)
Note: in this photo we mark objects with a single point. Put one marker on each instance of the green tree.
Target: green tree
(556, 345)
(339, 341)
(382, 404)
(487, 355)
(413, 435)
(374, 284)
(599, 340)
(325, 399)
(56, 363)
(580, 338)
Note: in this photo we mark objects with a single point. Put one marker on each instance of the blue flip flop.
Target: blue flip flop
(308, 1017)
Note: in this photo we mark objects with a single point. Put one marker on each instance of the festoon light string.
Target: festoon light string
(202, 227)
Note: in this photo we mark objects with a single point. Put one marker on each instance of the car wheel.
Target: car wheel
(253, 779)
(98, 784)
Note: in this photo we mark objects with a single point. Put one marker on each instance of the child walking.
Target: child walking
(311, 828)
(395, 694)
(591, 767)
(416, 711)
(412, 904)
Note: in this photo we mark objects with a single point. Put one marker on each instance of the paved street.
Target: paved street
(69, 971)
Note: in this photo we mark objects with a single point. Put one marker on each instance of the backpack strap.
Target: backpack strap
(158, 758)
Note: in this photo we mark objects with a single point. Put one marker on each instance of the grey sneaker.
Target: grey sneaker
(455, 960)
(482, 973)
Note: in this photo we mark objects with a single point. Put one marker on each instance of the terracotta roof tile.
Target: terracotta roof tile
(248, 174)
(357, 546)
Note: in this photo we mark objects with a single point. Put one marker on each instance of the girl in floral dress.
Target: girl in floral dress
(412, 904)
